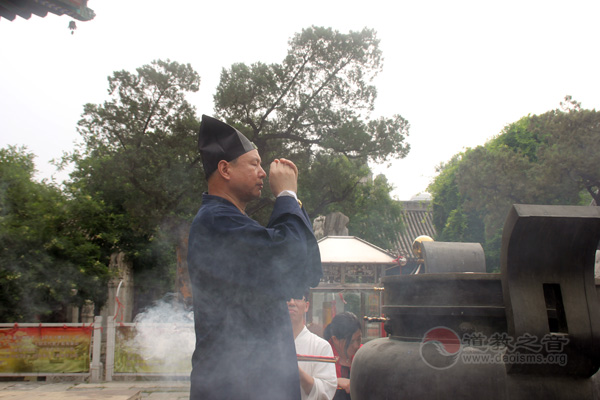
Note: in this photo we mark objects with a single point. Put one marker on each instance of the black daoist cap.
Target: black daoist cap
(218, 141)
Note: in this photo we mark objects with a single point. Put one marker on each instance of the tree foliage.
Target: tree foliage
(540, 159)
(140, 147)
(314, 108)
(570, 154)
(377, 217)
(48, 260)
(139, 161)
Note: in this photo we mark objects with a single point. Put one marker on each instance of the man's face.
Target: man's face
(247, 176)
(297, 308)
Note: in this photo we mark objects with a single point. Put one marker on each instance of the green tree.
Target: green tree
(139, 160)
(540, 159)
(48, 261)
(314, 108)
(491, 180)
(569, 156)
(446, 202)
(377, 217)
(452, 222)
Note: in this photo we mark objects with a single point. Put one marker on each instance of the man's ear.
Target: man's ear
(223, 169)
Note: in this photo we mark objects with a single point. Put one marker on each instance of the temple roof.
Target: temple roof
(352, 250)
(76, 9)
(418, 221)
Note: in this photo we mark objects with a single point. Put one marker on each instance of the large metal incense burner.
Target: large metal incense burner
(532, 331)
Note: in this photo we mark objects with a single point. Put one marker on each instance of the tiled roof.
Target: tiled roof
(418, 220)
(76, 9)
(352, 250)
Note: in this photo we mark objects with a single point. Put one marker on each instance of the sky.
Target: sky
(458, 71)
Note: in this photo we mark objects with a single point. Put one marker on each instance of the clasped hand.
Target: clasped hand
(283, 175)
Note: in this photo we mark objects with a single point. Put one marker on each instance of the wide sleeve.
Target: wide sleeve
(324, 375)
(281, 259)
(285, 207)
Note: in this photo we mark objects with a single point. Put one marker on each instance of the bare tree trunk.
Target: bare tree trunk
(184, 286)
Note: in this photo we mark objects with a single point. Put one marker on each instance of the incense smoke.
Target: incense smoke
(164, 336)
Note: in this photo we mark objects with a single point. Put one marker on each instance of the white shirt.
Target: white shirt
(307, 343)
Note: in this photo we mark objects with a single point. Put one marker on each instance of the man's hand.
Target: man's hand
(306, 381)
(283, 175)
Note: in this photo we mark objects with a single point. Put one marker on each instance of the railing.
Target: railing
(51, 349)
(148, 349)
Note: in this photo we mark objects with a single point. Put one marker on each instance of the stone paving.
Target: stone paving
(118, 390)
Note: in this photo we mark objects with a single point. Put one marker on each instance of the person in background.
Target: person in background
(318, 380)
(345, 336)
(242, 273)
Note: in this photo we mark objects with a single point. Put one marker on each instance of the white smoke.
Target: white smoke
(165, 337)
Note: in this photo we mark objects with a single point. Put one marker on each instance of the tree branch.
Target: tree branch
(284, 92)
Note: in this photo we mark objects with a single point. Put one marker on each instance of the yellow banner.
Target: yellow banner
(45, 349)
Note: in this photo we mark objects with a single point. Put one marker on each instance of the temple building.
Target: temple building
(353, 267)
(352, 271)
(76, 9)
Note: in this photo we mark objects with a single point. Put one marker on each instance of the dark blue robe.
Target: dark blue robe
(242, 274)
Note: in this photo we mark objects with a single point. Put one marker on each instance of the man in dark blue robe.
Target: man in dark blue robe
(242, 273)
